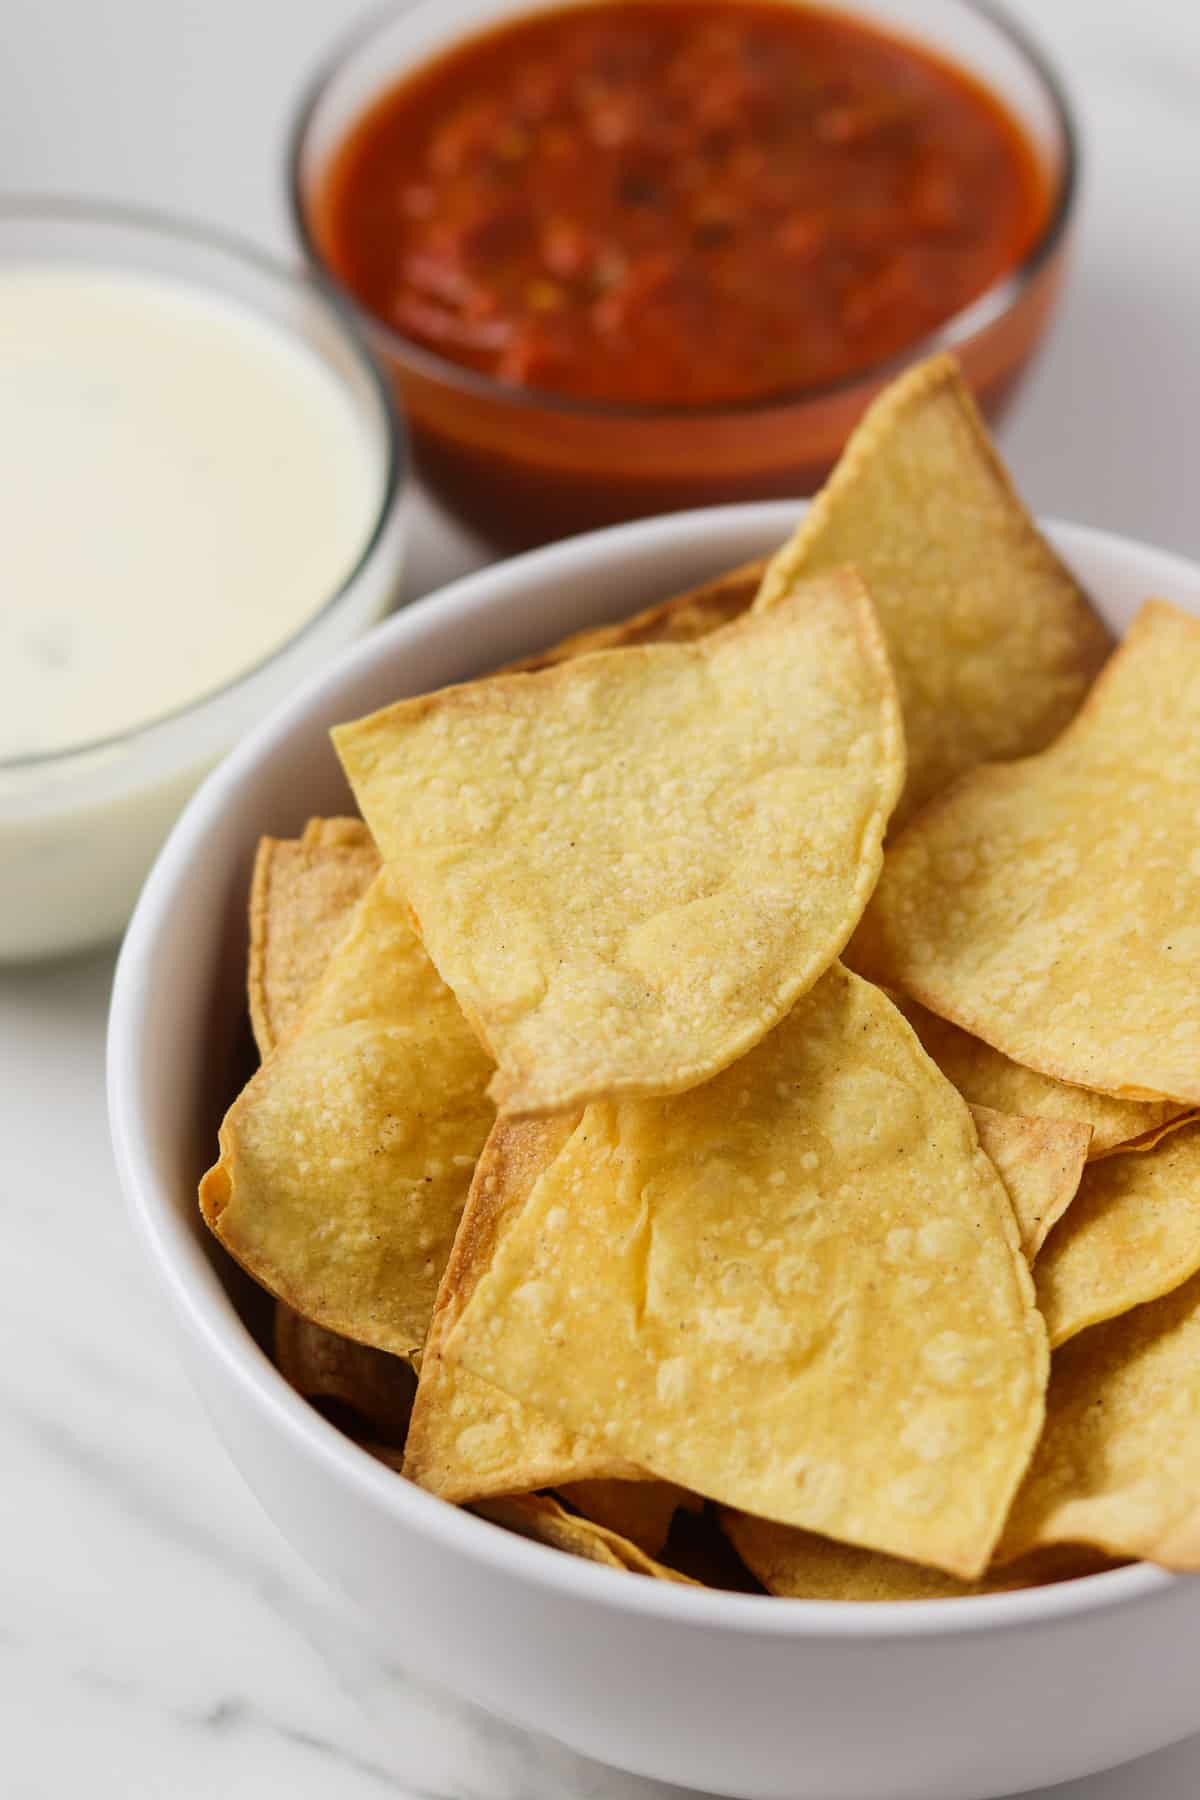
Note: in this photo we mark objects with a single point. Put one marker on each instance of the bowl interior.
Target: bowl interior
(179, 999)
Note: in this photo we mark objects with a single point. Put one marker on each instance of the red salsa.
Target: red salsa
(679, 202)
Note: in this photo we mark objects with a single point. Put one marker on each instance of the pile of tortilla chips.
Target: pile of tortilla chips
(730, 1109)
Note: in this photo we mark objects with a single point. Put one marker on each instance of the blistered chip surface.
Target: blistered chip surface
(798, 1291)
(629, 867)
(993, 643)
(1052, 906)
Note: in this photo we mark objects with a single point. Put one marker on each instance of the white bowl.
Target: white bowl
(734, 1694)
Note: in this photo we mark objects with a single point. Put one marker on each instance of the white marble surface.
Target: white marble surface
(157, 1637)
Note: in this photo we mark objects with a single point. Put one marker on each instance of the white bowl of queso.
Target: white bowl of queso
(199, 481)
(735, 1694)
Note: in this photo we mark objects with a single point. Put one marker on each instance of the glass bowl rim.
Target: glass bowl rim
(985, 309)
(53, 208)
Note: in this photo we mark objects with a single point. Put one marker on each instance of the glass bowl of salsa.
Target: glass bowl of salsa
(620, 257)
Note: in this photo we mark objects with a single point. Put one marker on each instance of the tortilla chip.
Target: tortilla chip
(993, 642)
(303, 894)
(539, 1517)
(641, 1511)
(467, 1440)
(1118, 1466)
(301, 898)
(304, 889)
(545, 1520)
(803, 1566)
(1132, 1234)
(630, 867)
(365, 1391)
(986, 1078)
(1150, 1140)
(1052, 906)
(345, 1162)
(680, 620)
(797, 1291)
(1040, 1162)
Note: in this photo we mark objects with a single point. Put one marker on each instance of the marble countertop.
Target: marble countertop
(157, 1636)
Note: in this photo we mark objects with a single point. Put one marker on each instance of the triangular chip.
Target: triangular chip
(539, 1517)
(797, 1290)
(993, 643)
(303, 892)
(803, 1566)
(641, 1511)
(345, 1162)
(304, 889)
(303, 895)
(574, 843)
(1040, 1162)
(986, 1078)
(1150, 1140)
(365, 1391)
(467, 1439)
(1132, 1234)
(1052, 906)
(1118, 1466)
(629, 867)
(547, 1521)
(680, 620)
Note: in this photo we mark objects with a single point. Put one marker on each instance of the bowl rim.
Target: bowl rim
(984, 310)
(69, 209)
(206, 1312)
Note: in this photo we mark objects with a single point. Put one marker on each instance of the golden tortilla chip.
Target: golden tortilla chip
(304, 889)
(680, 620)
(641, 1511)
(629, 868)
(366, 1391)
(1150, 1140)
(544, 1519)
(1118, 1466)
(303, 892)
(468, 1440)
(539, 1517)
(345, 1162)
(1052, 906)
(803, 1566)
(1040, 1162)
(986, 1078)
(797, 1290)
(1132, 1234)
(993, 642)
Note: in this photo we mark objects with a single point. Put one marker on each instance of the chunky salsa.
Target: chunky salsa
(679, 201)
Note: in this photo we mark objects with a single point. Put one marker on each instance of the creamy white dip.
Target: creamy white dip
(184, 485)
(181, 487)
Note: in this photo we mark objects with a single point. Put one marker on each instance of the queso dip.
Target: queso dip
(182, 487)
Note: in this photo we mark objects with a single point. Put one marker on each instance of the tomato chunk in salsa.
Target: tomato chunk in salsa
(679, 202)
